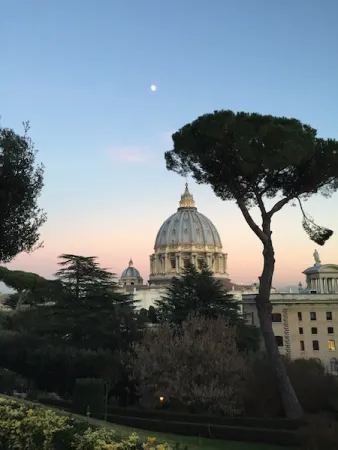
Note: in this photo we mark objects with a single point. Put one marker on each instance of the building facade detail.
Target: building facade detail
(186, 237)
(322, 278)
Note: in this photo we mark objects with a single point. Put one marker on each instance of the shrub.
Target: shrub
(315, 389)
(31, 428)
(320, 434)
(11, 381)
(89, 394)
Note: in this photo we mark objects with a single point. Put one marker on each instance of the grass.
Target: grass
(193, 443)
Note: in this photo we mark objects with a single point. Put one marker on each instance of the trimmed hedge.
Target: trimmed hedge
(208, 430)
(267, 431)
(266, 423)
(250, 422)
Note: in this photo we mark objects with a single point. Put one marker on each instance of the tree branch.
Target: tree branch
(252, 224)
(279, 205)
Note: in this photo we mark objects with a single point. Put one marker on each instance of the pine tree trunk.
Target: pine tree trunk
(292, 407)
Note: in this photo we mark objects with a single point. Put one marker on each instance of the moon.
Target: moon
(153, 87)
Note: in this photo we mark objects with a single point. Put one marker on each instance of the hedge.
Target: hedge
(208, 430)
(267, 423)
(253, 422)
(30, 427)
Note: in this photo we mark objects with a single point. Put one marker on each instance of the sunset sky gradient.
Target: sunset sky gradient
(81, 72)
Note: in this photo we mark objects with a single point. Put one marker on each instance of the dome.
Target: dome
(187, 226)
(131, 275)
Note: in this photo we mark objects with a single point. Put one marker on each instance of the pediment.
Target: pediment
(329, 269)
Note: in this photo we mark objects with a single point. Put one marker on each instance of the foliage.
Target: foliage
(52, 368)
(31, 288)
(10, 381)
(320, 434)
(198, 292)
(34, 427)
(251, 158)
(198, 365)
(315, 389)
(20, 187)
(81, 276)
(89, 393)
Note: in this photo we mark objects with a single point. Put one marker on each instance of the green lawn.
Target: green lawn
(193, 443)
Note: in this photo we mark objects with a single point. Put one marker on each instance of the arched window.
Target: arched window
(334, 365)
(276, 317)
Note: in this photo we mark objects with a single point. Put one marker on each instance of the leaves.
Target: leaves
(198, 365)
(21, 183)
(251, 157)
(196, 292)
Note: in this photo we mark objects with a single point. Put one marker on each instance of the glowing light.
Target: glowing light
(161, 399)
(153, 87)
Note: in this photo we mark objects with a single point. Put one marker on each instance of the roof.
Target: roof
(187, 226)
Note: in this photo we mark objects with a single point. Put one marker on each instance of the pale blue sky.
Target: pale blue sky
(81, 70)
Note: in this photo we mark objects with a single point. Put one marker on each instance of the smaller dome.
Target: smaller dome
(130, 271)
(131, 275)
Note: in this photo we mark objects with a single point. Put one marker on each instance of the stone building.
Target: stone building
(306, 323)
(187, 236)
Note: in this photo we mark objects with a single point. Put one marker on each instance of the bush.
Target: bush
(31, 428)
(321, 434)
(316, 390)
(11, 381)
(89, 396)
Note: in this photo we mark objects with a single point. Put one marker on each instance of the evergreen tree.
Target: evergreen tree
(81, 276)
(197, 292)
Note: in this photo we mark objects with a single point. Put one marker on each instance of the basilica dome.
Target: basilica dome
(186, 237)
(187, 226)
(131, 276)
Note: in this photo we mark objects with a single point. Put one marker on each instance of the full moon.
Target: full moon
(153, 87)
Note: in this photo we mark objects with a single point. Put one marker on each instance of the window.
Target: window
(276, 317)
(330, 330)
(328, 315)
(313, 316)
(332, 346)
(301, 331)
(280, 341)
(315, 345)
(302, 346)
(300, 316)
(334, 365)
(314, 330)
(173, 263)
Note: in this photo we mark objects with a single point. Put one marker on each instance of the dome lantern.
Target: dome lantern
(187, 200)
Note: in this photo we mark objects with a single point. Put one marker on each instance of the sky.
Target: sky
(80, 71)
